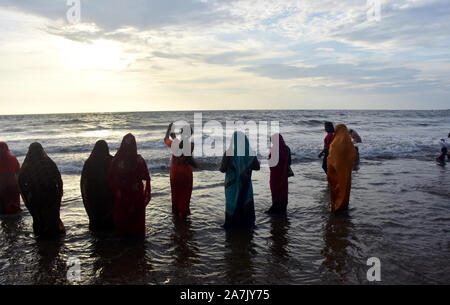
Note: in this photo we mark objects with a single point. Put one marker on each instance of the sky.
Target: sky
(113, 55)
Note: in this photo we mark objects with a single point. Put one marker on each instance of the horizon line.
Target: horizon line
(221, 110)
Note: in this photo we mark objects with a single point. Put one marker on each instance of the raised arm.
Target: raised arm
(169, 129)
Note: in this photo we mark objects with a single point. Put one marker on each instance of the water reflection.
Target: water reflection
(238, 256)
(185, 249)
(337, 239)
(51, 267)
(279, 227)
(10, 247)
(12, 227)
(119, 261)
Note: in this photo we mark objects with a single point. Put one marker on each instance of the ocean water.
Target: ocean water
(399, 206)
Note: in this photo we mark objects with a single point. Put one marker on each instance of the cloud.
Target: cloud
(288, 44)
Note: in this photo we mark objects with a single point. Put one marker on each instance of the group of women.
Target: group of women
(116, 190)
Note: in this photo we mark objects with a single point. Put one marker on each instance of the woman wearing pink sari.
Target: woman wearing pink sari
(279, 162)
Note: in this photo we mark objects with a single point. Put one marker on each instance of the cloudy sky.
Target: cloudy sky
(223, 54)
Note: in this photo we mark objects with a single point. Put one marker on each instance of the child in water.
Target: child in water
(444, 151)
(329, 128)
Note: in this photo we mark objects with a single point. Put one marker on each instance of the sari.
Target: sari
(9, 189)
(279, 174)
(129, 180)
(340, 162)
(181, 182)
(239, 209)
(41, 188)
(97, 196)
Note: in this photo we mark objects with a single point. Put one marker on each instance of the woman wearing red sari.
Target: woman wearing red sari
(279, 173)
(181, 177)
(9, 189)
(129, 180)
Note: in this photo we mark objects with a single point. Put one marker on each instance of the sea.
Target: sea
(399, 206)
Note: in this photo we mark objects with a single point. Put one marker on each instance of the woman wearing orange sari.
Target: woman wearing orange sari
(181, 176)
(340, 161)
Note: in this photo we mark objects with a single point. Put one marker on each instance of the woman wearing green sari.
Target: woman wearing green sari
(238, 163)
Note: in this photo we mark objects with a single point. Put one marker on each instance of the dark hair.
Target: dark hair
(329, 127)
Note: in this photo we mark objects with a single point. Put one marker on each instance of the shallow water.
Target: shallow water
(398, 213)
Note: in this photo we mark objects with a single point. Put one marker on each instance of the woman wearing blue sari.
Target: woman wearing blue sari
(238, 163)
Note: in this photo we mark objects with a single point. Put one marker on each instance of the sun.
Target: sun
(97, 55)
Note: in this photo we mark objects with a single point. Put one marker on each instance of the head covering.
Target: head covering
(38, 169)
(278, 144)
(340, 164)
(8, 163)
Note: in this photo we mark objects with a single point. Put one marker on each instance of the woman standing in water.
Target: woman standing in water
(181, 176)
(9, 189)
(238, 163)
(327, 141)
(279, 162)
(340, 164)
(97, 196)
(129, 180)
(41, 187)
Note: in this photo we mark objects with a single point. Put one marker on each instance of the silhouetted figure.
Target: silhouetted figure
(444, 153)
(327, 141)
(9, 189)
(238, 163)
(97, 196)
(41, 188)
(279, 173)
(129, 180)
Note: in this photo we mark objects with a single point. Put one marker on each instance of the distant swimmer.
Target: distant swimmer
(41, 188)
(9, 190)
(444, 153)
(444, 146)
(329, 128)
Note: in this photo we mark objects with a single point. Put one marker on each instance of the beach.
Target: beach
(398, 207)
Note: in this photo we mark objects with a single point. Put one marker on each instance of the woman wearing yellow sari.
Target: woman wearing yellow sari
(340, 161)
